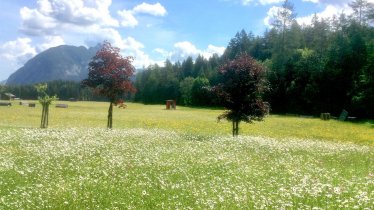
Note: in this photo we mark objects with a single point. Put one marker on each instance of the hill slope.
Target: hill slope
(58, 63)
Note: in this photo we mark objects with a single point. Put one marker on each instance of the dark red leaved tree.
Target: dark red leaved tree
(243, 84)
(109, 75)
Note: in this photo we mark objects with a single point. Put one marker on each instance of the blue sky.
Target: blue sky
(151, 31)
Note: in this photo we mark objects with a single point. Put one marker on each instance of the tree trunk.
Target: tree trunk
(46, 115)
(235, 128)
(110, 115)
(42, 120)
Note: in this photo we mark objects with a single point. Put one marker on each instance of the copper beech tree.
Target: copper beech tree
(243, 84)
(109, 75)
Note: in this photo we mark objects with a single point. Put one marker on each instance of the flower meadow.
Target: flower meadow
(147, 168)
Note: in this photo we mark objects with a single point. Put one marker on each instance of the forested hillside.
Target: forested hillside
(323, 67)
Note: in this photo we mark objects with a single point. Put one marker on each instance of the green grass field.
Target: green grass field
(167, 159)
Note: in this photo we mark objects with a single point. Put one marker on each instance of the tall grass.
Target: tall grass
(80, 168)
(182, 159)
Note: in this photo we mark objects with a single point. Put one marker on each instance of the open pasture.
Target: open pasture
(196, 121)
(160, 159)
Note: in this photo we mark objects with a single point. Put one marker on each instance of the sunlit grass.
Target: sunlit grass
(180, 159)
(186, 120)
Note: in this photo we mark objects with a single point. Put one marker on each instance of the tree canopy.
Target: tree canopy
(109, 75)
(241, 91)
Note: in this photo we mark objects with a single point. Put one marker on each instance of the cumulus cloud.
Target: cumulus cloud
(128, 18)
(184, 49)
(272, 12)
(51, 41)
(13, 54)
(162, 52)
(90, 20)
(211, 50)
(35, 23)
(328, 12)
(51, 16)
(17, 51)
(313, 1)
(134, 48)
(129, 46)
(151, 9)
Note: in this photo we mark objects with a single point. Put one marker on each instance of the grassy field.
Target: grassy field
(186, 120)
(162, 159)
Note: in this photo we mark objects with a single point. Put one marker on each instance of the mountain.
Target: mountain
(64, 62)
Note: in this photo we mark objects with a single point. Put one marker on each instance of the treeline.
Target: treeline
(64, 90)
(326, 66)
(185, 82)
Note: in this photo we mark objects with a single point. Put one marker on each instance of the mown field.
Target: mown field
(160, 159)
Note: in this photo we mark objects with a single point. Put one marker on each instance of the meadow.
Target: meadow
(180, 159)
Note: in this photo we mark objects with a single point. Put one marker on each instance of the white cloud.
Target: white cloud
(272, 12)
(328, 12)
(163, 52)
(19, 50)
(184, 49)
(211, 50)
(80, 12)
(51, 41)
(52, 17)
(13, 54)
(129, 46)
(78, 22)
(35, 23)
(90, 19)
(313, 1)
(331, 8)
(151, 9)
(128, 19)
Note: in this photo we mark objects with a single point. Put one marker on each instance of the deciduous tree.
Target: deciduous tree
(109, 75)
(243, 83)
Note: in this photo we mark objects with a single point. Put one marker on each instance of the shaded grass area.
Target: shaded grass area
(198, 121)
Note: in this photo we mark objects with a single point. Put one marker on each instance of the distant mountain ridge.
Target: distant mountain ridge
(64, 62)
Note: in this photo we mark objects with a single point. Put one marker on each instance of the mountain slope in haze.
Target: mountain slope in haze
(58, 63)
